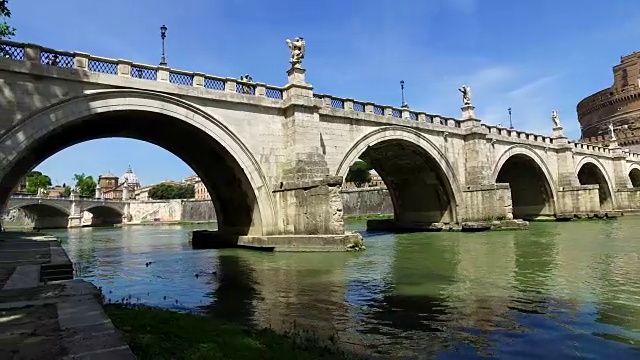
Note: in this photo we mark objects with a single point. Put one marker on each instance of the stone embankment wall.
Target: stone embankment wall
(366, 201)
(171, 210)
(198, 210)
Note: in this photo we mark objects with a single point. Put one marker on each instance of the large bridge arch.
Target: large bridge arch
(533, 187)
(225, 165)
(591, 171)
(422, 182)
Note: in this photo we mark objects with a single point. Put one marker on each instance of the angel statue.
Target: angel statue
(297, 51)
(466, 94)
(555, 118)
(613, 135)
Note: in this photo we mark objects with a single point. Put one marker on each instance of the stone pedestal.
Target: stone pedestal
(297, 85)
(468, 112)
(295, 75)
(558, 133)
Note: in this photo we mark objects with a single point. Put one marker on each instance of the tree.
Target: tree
(67, 190)
(359, 173)
(36, 181)
(166, 191)
(85, 185)
(6, 31)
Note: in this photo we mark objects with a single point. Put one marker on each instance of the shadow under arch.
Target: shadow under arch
(104, 215)
(225, 165)
(634, 175)
(590, 171)
(44, 216)
(421, 181)
(533, 191)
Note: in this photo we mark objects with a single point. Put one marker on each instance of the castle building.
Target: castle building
(617, 105)
(111, 186)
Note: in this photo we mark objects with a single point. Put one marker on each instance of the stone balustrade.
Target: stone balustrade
(385, 110)
(126, 68)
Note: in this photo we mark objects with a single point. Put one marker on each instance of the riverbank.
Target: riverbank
(42, 317)
(162, 334)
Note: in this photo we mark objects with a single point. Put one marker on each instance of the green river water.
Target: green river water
(558, 290)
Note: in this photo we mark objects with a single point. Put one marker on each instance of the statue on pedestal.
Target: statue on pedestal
(297, 47)
(466, 95)
(613, 135)
(555, 118)
(246, 89)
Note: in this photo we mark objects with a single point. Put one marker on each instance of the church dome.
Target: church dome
(129, 177)
(108, 175)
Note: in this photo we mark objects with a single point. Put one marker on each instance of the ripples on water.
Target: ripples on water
(559, 290)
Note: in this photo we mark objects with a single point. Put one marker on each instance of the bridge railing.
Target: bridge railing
(518, 134)
(592, 147)
(347, 104)
(46, 197)
(117, 67)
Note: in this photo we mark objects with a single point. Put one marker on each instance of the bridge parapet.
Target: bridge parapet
(518, 135)
(357, 106)
(118, 67)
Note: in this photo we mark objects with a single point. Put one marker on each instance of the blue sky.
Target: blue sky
(532, 56)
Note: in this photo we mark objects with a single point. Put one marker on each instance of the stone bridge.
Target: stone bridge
(67, 212)
(275, 157)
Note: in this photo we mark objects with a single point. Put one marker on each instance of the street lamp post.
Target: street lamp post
(163, 35)
(510, 122)
(404, 104)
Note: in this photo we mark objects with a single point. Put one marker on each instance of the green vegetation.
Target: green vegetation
(36, 180)
(162, 334)
(359, 173)
(67, 190)
(167, 191)
(85, 185)
(368, 217)
(6, 31)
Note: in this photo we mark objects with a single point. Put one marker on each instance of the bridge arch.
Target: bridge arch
(533, 187)
(39, 214)
(591, 171)
(223, 162)
(422, 182)
(104, 214)
(634, 175)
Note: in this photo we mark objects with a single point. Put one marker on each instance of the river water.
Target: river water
(558, 290)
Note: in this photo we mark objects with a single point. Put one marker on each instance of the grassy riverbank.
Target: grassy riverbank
(161, 334)
(367, 217)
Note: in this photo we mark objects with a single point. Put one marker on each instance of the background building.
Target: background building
(200, 190)
(376, 181)
(618, 104)
(111, 186)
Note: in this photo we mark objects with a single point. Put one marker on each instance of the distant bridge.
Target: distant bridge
(62, 212)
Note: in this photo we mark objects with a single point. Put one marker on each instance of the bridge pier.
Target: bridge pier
(75, 221)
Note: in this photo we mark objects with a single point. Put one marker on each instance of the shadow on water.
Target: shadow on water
(235, 291)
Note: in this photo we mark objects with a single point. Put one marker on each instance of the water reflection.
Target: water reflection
(560, 289)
